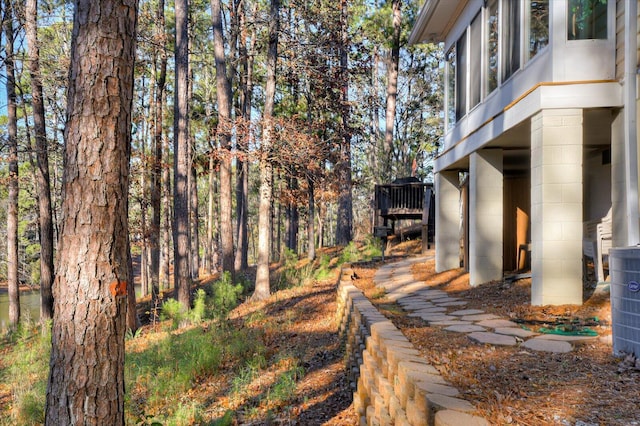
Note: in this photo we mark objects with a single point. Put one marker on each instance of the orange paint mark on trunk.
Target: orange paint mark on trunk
(118, 288)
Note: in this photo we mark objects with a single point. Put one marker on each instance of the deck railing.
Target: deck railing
(400, 199)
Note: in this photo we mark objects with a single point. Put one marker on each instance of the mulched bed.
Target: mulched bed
(514, 385)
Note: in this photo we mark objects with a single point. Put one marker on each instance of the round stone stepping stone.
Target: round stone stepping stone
(480, 317)
(444, 299)
(492, 338)
(497, 323)
(437, 317)
(467, 312)
(432, 294)
(514, 331)
(465, 328)
(563, 338)
(449, 322)
(546, 345)
(431, 310)
(422, 312)
(458, 303)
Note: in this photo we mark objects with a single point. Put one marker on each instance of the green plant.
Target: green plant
(173, 310)
(169, 368)
(185, 414)
(129, 335)
(372, 247)
(225, 296)
(27, 373)
(285, 387)
(226, 420)
(323, 270)
(349, 254)
(291, 274)
(198, 313)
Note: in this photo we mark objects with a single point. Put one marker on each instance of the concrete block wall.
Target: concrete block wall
(392, 384)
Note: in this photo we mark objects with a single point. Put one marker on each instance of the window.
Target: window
(475, 59)
(587, 19)
(493, 25)
(500, 38)
(538, 26)
(450, 91)
(510, 38)
(461, 76)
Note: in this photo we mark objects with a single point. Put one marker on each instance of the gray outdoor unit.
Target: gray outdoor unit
(624, 266)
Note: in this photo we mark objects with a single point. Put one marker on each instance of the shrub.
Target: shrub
(225, 295)
(173, 310)
(198, 313)
(349, 254)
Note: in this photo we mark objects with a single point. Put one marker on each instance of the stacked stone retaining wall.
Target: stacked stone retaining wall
(392, 383)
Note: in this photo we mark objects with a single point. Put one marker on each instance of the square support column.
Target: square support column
(556, 207)
(619, 184)
(447, 220)
(486, 216)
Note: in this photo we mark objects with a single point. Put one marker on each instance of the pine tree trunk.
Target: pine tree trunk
(208, 252)
(392, 89)
(181, 276)
(157, 169)
(86, 379)
(262, 286)
(195, 222)
(13, 188)
(242, 185)
(344, 219)
(311, 246)
(42, 169)
(224, 133)
(166, 230)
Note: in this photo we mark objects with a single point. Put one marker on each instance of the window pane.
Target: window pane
(511, 38)
(461, 76)
(492, 45)
(587, 19)
(451, 87)
(475, 55)
(538, 26)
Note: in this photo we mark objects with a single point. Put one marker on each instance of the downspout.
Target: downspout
(630, 121)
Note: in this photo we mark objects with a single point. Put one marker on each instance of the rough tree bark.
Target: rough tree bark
(344, 221)
(42, 169)
(392, 88)
(242, 176)
(156, 171)
(262, 287)
(224, 135)
(13, 186)
(86, 379)
(181, 244)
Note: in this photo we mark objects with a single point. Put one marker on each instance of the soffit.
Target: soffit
(435, 20)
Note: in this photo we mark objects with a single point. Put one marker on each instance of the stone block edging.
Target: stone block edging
(392, 384)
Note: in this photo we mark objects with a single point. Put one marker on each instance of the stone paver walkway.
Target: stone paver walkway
(439, 309)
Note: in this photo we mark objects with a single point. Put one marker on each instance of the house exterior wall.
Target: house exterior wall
(572, 109)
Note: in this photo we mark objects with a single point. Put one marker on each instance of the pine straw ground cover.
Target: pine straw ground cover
(269, 363)
(513, 385)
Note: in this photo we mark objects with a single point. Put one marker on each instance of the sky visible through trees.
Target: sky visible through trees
(331, 84)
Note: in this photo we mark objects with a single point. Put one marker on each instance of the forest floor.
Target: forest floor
(513, 385)
(296, 375)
